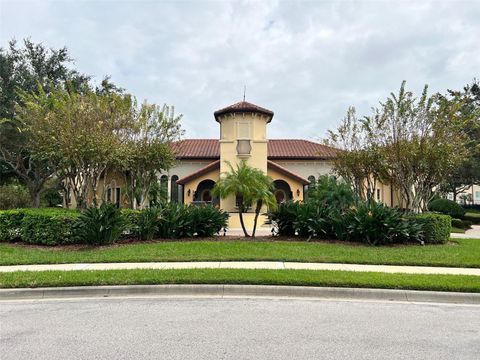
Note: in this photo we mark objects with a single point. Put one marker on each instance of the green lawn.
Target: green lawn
(457, 230)
(457, 253)
(241, 276)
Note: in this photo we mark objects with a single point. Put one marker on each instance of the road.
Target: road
(193, 328)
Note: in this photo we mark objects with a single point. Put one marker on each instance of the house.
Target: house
(291, 163)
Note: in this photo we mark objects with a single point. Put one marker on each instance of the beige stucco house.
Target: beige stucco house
(291, 163)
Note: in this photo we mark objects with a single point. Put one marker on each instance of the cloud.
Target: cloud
(306, 61)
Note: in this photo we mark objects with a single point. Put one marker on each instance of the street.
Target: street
(236, 328)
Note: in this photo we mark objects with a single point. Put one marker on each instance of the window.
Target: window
(243, 130)
(477, 194)
(379, 195)
(174, 189)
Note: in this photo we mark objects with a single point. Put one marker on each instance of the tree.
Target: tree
(359, 164)
(467, 172)
(409, 143)
(250, 186)
(25, 70)
(146, 149)
(78, 134)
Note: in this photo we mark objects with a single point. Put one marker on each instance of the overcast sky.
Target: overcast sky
(306, 61)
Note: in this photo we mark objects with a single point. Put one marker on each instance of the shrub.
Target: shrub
(208, 220)
(284, 217)
(447, 207)
(14, 197)
(49, 227)
(132, 222)
(11, 225)
(436, 227)
(102, 225)
(148, 223)
(376, 224)
(329, 192)
(310, 221)
(461, 224)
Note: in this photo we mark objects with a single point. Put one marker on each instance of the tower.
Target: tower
(243, 136)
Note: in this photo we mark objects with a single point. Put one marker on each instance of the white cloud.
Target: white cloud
(307, 61)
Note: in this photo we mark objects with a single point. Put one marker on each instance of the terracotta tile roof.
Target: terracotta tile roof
(207, 168)
(197, 149)
(299, 149)
(287, 172)
(277, 149)
(243, 107)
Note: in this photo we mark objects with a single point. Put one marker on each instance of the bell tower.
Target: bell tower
(243, 136)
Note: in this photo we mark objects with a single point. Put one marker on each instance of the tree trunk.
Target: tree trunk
(257, 212)
(240, 214)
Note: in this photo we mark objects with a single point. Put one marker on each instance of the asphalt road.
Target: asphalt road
(236, 329)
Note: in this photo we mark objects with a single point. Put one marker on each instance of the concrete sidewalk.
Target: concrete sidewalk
(473, 233)
(277, 265)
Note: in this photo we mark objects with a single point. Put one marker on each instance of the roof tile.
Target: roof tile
(277, 149)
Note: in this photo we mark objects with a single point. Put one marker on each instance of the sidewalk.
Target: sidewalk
(473, 233)
(277, 265)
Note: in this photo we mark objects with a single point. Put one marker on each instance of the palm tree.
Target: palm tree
(250, 186)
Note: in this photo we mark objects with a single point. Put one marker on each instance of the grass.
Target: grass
(459, 283)
(457, 253)
(457, 230)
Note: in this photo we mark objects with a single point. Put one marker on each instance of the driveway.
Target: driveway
(193, 328)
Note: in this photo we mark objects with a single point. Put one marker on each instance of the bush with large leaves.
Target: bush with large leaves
(102, 225)
(376, 224)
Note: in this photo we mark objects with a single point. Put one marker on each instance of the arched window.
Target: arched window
(174, 189)
(311, 179)
(164, 187)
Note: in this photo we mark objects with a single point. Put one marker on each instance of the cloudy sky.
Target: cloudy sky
(306, 61)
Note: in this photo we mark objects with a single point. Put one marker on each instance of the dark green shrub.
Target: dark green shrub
(329, 192)
(132, 222)
(148, 223)
(461, 224)
(283, 218)
(49, 227)
(447, 207)
(11, 225)
(14, 197)
(208, 220)
(436, 227)
(376, 224)
(175, 221)
(311, 221)
(474, 218)
(102, 225)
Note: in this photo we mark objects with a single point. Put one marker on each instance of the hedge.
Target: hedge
(436, 227)
(447, 207)
(50, 226)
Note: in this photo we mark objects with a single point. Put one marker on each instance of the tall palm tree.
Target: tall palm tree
(250, 186)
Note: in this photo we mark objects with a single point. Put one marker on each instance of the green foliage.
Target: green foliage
(447, 207)
(208, 220)
(11, 225)
(436, 228)
(49, 227)
(461, 224)
(250, 185)
(102, 225)
(13, 197)
(148, 223)
(327, 190)
(132, 221)
(284, 218)
(376, 224)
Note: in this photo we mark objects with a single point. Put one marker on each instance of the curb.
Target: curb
(227, 291)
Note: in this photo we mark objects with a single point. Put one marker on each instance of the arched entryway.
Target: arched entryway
(203, 194)
(282, 191)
